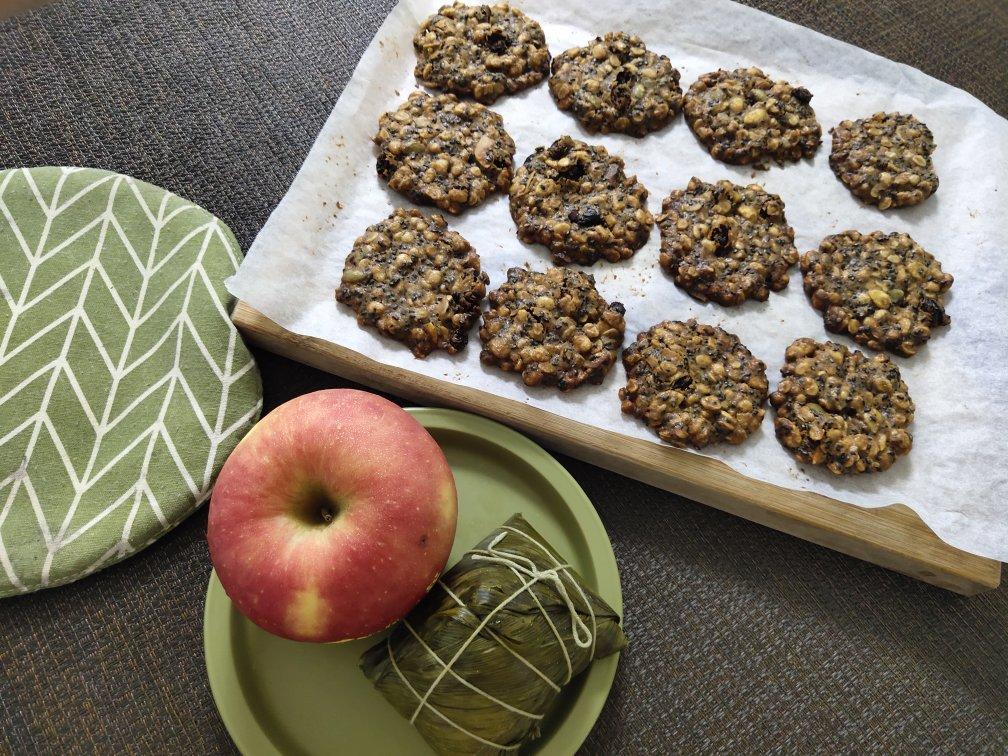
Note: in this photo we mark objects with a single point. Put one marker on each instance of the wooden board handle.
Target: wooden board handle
(893, 537)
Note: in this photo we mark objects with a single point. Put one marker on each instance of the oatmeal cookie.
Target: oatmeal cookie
(482, 51)
(440, 151)
(744, 117)
(725, 242)
(616, 84)
(883, 290)
(694, 384)
(839, 408)
(416, 281)
(575, 199)
(885, 160)
(553, 327)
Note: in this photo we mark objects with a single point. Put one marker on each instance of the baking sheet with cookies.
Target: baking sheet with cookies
(955, 477)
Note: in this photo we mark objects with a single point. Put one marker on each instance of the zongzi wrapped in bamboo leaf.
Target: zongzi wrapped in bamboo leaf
(478, 663)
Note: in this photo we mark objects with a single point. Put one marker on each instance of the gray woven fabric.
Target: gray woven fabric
(743, 640)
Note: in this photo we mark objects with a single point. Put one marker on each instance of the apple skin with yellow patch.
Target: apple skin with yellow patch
(333, 517)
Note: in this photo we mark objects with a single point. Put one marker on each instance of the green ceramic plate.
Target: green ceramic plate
(281, 697)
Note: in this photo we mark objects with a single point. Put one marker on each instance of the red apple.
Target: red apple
(332, 517)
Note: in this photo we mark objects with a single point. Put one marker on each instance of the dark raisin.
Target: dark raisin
(385, 166)
(459, 339)
(497, 41)
(621, 90)
(575, 171)
(682, 382)
(802, 95)
(586, 216)
(558, 149)
(618, 307)
(722, 239)
(935, 312)
(612, 173)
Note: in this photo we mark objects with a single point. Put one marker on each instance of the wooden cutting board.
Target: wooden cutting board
(893, 537)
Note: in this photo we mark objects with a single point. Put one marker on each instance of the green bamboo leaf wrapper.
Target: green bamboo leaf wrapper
(506, 663)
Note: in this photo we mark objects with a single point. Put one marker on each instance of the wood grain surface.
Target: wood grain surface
(893, 537)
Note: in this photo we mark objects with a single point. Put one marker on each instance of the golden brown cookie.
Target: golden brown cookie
(482, 51)
(838, 408)
(416, 281)
(438, 150)
(694, 384)
(885, 160)
(616, 84)
(552, 327)
(883, 290)
(744, 117)
(575, 199)
(725, 242)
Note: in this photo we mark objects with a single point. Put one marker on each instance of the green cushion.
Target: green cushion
(123, 383)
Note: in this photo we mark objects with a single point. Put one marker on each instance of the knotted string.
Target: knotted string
(553, 575)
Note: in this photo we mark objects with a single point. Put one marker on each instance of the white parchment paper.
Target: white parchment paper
(955, 477)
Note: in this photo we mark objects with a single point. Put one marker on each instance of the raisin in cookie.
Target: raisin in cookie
(883, 290)
(438, 150)
(839, 408)
(725, 242)
(553, 327)
(483, 51)
(744, 117)
(575, 199)
(616, 84)
(694, 384)
(885, 160)
(416, 281)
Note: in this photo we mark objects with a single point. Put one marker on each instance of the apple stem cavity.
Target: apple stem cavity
(319, 508)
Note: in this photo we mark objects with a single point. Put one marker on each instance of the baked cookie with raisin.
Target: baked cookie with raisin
(746, 118)
(694, 384)
(616, 84)
(885, 160)
(838, 408)
(480, 51)
(883, 290)
(726, 243)
(416, 281)
(553, 327)
(439, 150)
(575, 199)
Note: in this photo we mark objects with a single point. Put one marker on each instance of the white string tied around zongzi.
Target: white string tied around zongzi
(534, 574)
(553, 575)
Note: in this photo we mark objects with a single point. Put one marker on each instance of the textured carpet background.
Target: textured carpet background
(742, 639)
